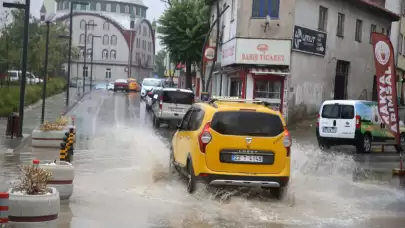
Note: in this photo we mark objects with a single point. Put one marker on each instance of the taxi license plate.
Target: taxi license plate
(247, 158)
(329, 129)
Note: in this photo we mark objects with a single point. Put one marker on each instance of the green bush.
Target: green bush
(10, 96)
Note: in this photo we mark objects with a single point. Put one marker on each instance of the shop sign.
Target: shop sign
(309, 41)
(263, 51)
(228, 52)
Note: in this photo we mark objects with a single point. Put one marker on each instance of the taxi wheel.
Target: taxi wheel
(191, 180)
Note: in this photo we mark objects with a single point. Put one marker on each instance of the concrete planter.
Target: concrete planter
(47, 139)
(33, 211)
(63, 174)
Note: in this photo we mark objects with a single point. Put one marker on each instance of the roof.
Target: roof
(124, 20)
(375, 8)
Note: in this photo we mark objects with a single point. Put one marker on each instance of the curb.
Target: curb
(75, 104)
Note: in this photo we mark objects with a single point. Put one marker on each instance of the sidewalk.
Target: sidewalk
(55, 106)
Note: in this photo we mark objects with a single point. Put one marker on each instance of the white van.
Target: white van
(15, 75)
(170, 104)
(353, 122)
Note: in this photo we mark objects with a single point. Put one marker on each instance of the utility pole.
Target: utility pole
(45, 72)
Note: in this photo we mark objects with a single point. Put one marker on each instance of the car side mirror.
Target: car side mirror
(155, 96)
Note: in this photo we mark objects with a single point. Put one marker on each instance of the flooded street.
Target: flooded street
(122, 180)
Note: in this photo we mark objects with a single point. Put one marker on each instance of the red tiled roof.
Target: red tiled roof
(378, 9)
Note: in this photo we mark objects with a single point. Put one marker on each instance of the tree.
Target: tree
(11, 39)
(182, 29)
(160, 63)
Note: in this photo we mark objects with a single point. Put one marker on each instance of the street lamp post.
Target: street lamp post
(45, 71)
(72, 4)
(26, 8)
(85, 70)
(91, 63)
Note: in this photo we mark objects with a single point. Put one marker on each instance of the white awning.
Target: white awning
(263, 71)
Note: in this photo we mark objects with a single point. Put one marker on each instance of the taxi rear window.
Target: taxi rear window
(247, 123)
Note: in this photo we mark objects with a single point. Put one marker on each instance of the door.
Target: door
(191, 134)
(328, 123)
(342, 72)
(181, 142)
(236, 88)
(347, 122)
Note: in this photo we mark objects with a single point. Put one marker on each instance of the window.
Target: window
(233, 10)
(132, 24)
(338, 111)
(196, 119)
(108, 73)
(91, 25)
(93, 6)
(85, 71)
(98, 6)
(138, 11)
(81, 53)
(105, 54)
(178, 97)
(247, 124)
(262, 8)
(82, 24)
(400, 43)
(341, 24)
(89, 53)
(117, 8)
(81, 39)
(83, 7)
(323, 18)
(108, 7)
(359, 25)
(113, 40)
(65, 5)
(372, 29)
(106, 26)
(126, 9)
(267, 89)
(105, 39)
(89, 38)
(138, 57)
(113, 54)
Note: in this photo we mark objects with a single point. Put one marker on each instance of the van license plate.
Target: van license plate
(330, 129)
(247, 158)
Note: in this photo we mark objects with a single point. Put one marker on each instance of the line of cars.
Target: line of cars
(225, 141)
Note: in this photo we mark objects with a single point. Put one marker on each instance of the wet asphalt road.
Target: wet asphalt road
(122, 181)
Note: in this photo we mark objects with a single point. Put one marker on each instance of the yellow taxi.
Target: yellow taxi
(233, 142)
(133, 85)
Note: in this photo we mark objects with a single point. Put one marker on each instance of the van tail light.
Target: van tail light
(150, 93)
(161, 103)
(287, 141)
(358, 122)
(205, 137)
(317, 119)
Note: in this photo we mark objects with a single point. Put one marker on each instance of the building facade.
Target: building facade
(296, 54)
(124, 40)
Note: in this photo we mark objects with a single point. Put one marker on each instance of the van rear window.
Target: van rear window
(247, 123)
(178, 97)
(336, 111)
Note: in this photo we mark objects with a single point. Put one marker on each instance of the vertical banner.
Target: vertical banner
(386, 82)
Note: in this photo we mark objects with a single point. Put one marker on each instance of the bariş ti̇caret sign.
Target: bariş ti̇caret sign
(386, 82)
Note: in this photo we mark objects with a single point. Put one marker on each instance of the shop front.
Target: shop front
(258, 69)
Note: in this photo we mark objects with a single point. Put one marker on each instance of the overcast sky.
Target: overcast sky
(155, 9)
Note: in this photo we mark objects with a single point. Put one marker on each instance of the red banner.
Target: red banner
(386, 82)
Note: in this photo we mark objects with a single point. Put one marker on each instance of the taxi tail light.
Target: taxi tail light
(317, 119)
(205, 137)
(287, 141)
(358, 122)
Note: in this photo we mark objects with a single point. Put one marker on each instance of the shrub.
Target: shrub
(33, 180)
(10, 96)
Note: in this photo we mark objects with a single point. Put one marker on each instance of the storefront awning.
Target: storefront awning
(262, 71)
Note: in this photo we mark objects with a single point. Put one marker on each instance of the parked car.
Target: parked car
(110, 86)
(100, 86)
(148, 84)
(121, 85)
(149, 97)
(353, 122)
(229, 142)
(15, 75)
(170, 105)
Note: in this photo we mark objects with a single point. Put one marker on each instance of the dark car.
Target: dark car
(121, 85)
